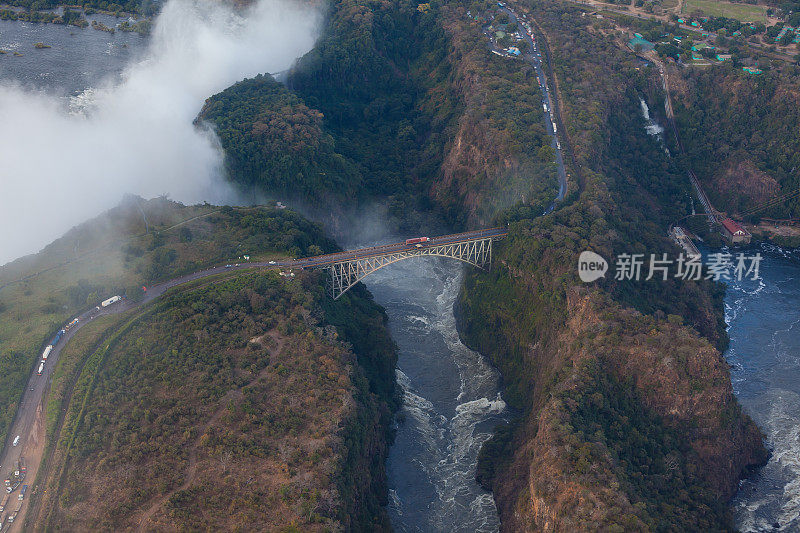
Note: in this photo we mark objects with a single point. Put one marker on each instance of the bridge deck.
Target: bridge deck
(384, 249)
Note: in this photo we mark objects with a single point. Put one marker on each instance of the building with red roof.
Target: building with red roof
(734, 232)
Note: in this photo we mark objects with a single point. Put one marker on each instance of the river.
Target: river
(451, 396)
(763, 318)
(451, 403)
(78, 57)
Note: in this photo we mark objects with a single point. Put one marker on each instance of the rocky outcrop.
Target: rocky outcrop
(633, 424)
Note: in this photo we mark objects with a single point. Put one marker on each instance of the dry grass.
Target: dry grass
(742, 12)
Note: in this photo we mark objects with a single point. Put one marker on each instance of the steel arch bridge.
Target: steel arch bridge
(345, 269)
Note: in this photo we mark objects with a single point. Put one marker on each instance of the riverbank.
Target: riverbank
(782, 235)
(604, 370)
(762, 317)
(79, 18)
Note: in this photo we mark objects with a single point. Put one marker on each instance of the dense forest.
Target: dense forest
(599, 369)
(134, 245)
(396, 103)
(740, 133)
(250, 398)
(273, 142)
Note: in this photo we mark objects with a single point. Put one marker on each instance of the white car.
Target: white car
(272, 262)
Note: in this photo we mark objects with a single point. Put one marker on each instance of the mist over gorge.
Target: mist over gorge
(78, 156)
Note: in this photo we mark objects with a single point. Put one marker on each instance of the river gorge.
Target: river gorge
(452, 398)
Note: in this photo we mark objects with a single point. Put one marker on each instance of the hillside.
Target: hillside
(629, 419)
(231, 405)
(740, 133)
(172, 395)
(138, 243)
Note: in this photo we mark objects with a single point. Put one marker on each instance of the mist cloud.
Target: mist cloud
(61, 164)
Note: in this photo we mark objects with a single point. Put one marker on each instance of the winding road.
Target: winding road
(28, 422)
(552, 116)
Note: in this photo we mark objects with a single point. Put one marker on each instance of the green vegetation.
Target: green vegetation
(70, 363)
(375, 110)
(365, 76)
(651, 459)
(142, 27)
(143, 7)
(273, 142)
(112, 254)
(29, 16)
(740, 133)
(243, 379)
(501, 156)
(741, 11)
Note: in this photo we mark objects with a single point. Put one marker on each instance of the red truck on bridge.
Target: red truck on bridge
(417, 241)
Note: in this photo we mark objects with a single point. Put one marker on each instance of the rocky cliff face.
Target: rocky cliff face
(630, 422)
(499, 155)
(633, 424)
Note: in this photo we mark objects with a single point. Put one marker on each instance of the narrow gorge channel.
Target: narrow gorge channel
(762, 316)
(451, 403)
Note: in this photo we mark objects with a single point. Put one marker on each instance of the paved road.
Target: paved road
(25, 425)
(551, 117)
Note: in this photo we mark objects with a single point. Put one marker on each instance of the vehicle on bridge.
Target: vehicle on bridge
(417, 241)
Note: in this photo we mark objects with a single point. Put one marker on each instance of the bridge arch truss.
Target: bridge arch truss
(345, 274)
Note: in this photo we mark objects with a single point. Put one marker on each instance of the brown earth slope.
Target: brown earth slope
(629, 418)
